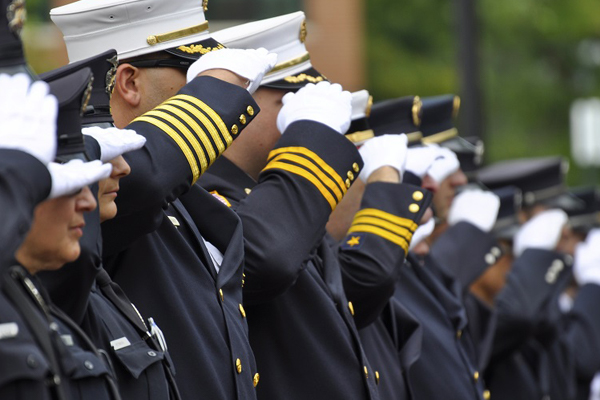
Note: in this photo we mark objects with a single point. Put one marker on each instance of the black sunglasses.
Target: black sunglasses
(168, 62)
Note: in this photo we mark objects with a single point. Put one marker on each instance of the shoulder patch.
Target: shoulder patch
(354, 241)
(222, 199)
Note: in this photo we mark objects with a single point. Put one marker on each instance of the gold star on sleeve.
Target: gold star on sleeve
(354, 241)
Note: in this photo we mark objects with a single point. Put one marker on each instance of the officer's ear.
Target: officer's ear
(127, 84)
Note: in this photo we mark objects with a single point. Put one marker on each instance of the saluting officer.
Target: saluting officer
(543, 353)
(284, 178)
(27, 369)
(434, 286)
(83, 289)
(431, 294)
(156, 247)
(388, 354)
(78, 370)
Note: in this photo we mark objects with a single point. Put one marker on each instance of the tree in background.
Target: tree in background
(534, 63)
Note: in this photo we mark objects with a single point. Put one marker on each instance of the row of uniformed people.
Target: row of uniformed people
(327, 188)
(437, 315)
(524, 345)
(82, 289)
(293, 279)
(555, 348)
(222, 331)
(44, 354)
(304, 297)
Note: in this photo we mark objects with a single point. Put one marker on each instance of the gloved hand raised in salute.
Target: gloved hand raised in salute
(324, 102)
(445, 164)
(477, 207)
(115, 142)
(420, 159)
(381, 151)
(251, 64)
(541, 232)
(28, 117)
(28, 123)
(587, 259)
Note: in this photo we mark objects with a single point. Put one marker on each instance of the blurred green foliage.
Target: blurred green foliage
(532, 65)
(38, 10)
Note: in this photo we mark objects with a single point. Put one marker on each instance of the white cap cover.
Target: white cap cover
(132, 27)
(284, 35)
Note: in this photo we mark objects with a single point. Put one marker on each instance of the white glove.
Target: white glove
(114, 141)
(541, 232)
(420, 159)
(422, 233)
(324, 102)
(73, 176)
(587, 259)
(28, 117)
(477, 207)
(445, 164)
(385, 150)
(250, 64)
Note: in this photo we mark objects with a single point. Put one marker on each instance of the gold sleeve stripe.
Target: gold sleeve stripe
(373, 212)
(180, 142)
(364, 220)
(211, 113)
(398, 240)
(195, 128)
(185, 131)
(316, 159)
(206, 122)
(306, 163)
(305, 174)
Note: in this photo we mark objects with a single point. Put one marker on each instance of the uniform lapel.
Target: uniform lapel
(189, 221)
(331, 274)
(445, 291)
(207, 212)
(408, 332)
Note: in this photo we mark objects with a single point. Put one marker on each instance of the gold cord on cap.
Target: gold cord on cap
(168, 36)
(290, 63)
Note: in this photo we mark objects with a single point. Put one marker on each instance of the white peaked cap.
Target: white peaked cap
(284, 35)
(132, 27)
